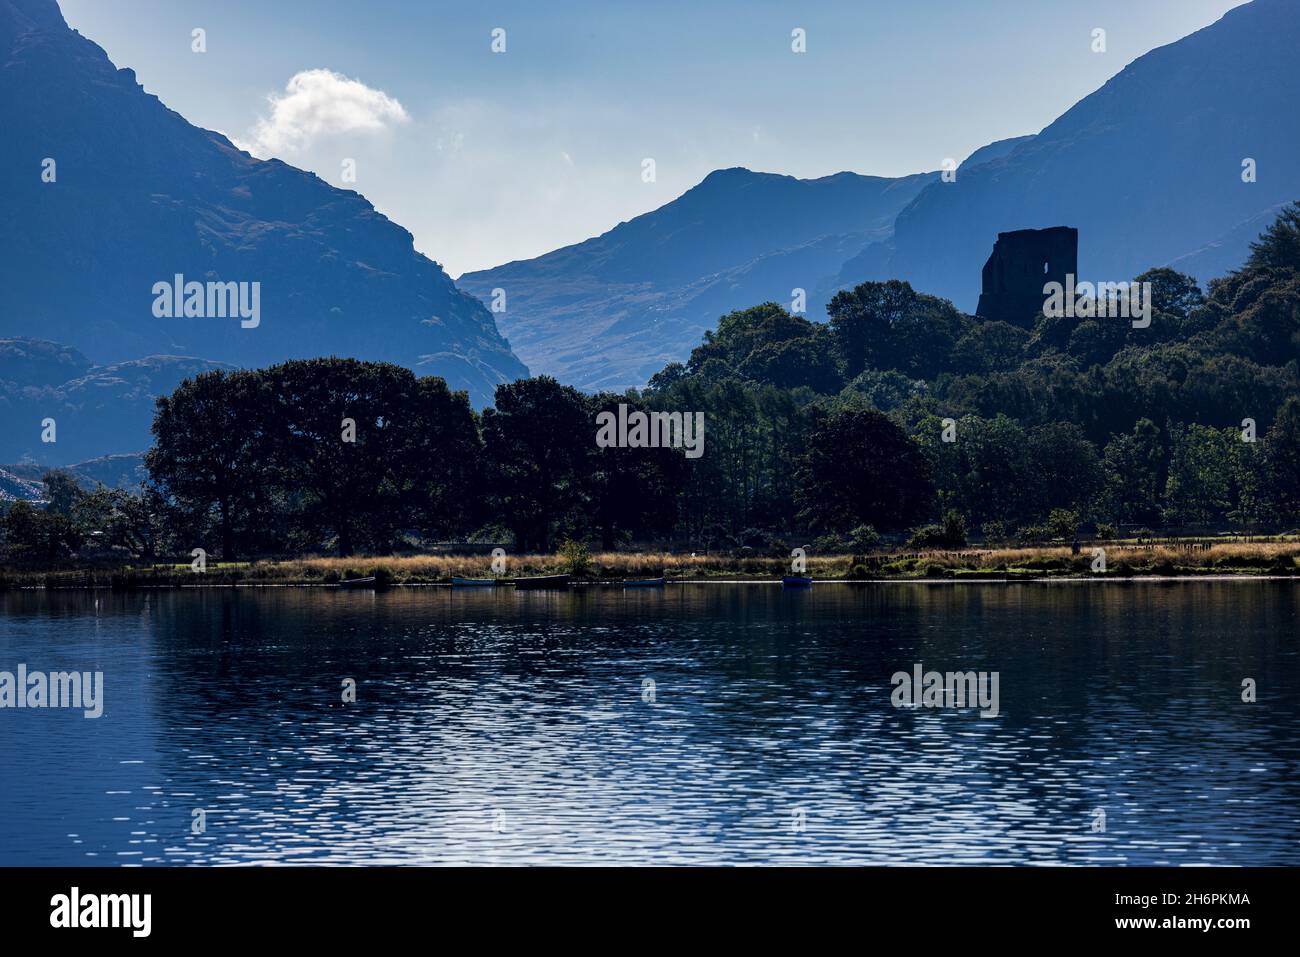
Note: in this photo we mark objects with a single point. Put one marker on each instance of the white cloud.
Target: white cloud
(317, 103)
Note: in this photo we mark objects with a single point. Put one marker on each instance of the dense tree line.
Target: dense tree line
(899, 415)
(1030, 432)
(343, 455)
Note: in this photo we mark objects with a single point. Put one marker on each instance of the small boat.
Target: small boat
(643, 582)
(796, 581)
(369, 582)
(543, 581)
(459, 582)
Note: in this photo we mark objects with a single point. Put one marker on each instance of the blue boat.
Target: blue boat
(796, 581)
(458, 582)
(644, 582)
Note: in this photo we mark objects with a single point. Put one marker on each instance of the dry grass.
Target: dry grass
(1122, 558)
(1188, 557)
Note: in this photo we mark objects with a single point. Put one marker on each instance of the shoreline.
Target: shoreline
(1123, 561)
(610, 584)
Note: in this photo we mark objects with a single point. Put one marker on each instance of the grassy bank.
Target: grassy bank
(1122, 560)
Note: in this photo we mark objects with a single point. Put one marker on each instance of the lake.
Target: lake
(698, 724)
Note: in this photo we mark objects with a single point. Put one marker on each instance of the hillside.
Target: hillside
(611, 311)
(1148, 168)
(137, 195)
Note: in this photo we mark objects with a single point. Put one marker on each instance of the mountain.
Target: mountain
(15, 488)
(23, 481)
(609, 312)
(870, 261)
(137, 195)
(97, 410)
(1148, 168)
(1225, 253)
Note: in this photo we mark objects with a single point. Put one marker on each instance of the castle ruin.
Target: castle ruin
(1022, 262)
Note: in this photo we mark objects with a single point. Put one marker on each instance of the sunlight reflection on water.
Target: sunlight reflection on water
(494, 727)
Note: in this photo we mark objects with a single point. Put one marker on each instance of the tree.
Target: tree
(1201, 485)
(1065, 468)
(33, 534)
(983, 472)
(950, 533)
(1135, 474)
(537, 443)
(1281, 463)
(990, 347)
(1268, 328)
(367, 450)
(807, 362)
(1063, 523)
(120, 519)
(62, 492)
(763, 344)
(441, 476)
(135, 522)
(885, 391)
(757, 434)
(1279, 245)
(1175, 299)
(861, 468)
(210, 453)
(888, 325)
(631, 491)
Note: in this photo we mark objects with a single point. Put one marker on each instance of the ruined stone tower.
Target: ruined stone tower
(1021, 263)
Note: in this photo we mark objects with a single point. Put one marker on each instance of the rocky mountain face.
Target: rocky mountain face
(107, 194)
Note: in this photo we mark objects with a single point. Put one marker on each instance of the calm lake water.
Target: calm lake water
(492, 727)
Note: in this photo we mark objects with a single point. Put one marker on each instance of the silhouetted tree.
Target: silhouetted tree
(210, 455)
(1279, 245)
(33, 534)
(367, 449)
(1135, 474)
(537, 445)
(888, 325)
(1281, 465)
(632, 492)
(862, 469)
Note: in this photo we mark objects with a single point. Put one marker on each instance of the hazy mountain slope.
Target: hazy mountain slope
(611, 311)
(97, 410)
(1225, 253)
(1148, 167)
(141, 195)
(876, 257)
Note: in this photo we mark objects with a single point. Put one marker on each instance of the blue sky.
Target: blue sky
(491, 157)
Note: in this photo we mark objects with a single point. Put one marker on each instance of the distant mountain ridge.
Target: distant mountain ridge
(1148, 168)
(613, 310)
(97, 409)
(139, 195)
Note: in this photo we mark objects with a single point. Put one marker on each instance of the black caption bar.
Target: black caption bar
(335, 905)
